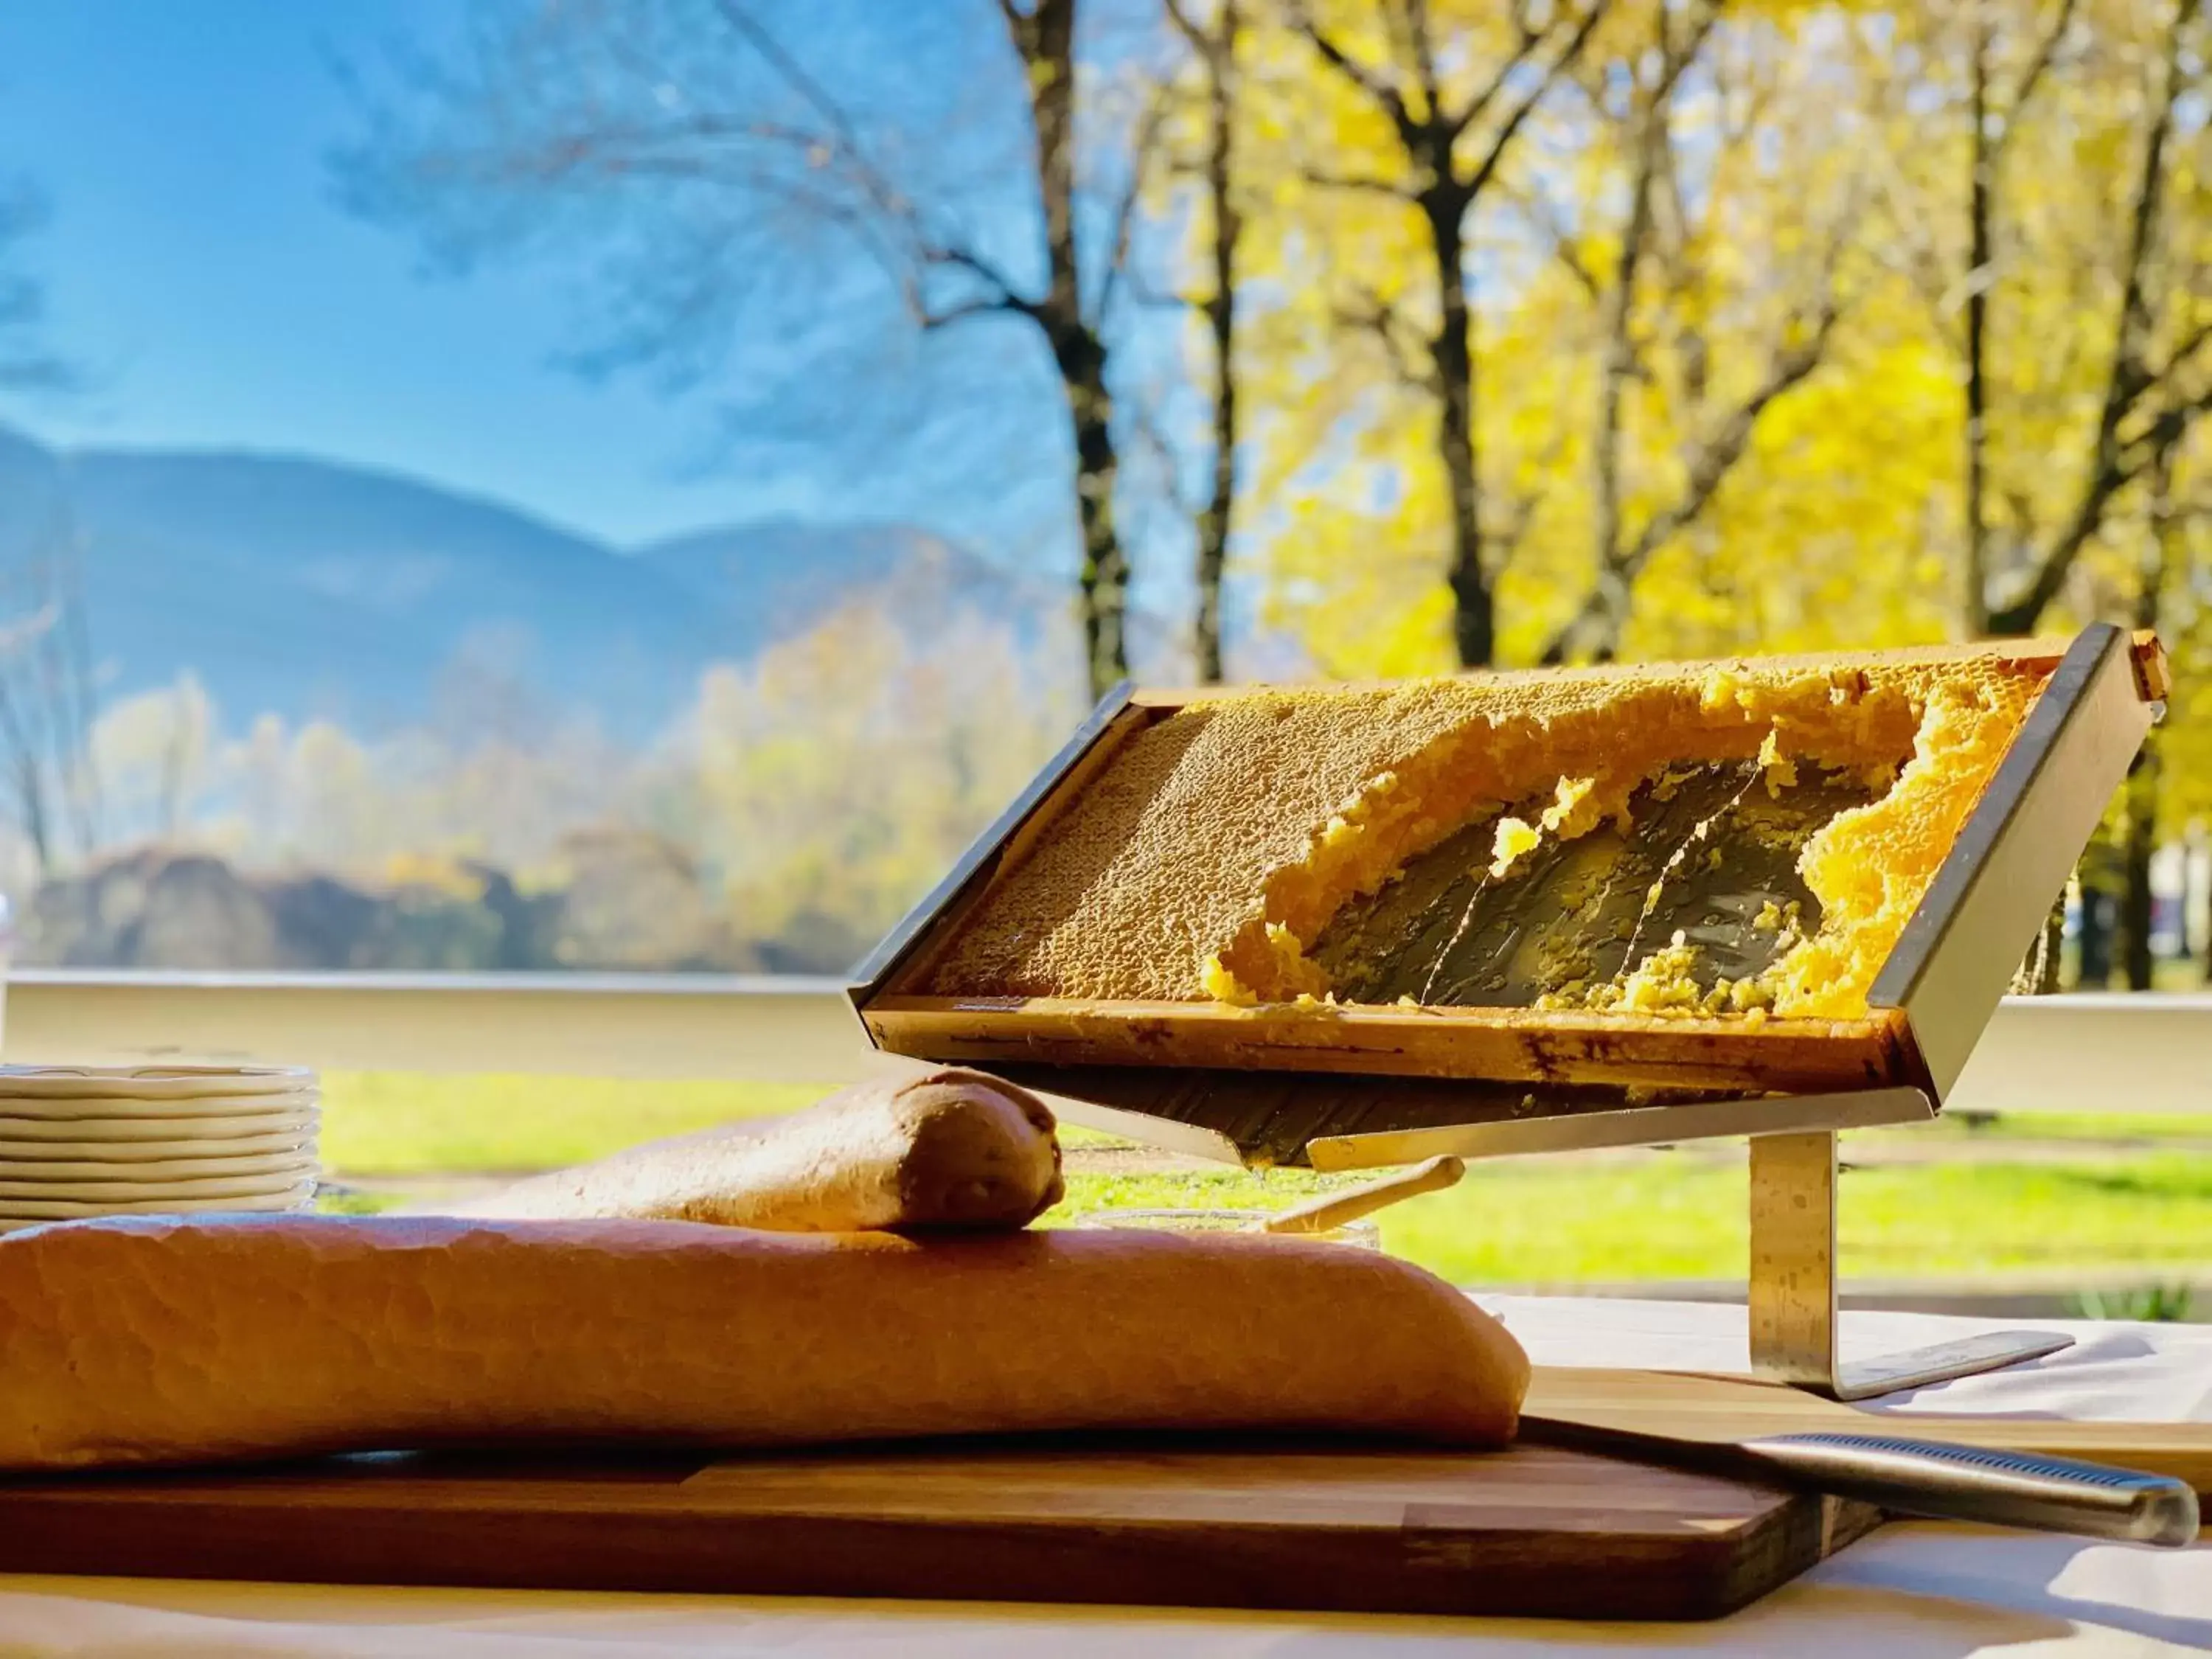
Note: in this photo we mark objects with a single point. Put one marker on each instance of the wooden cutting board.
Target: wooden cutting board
(1534, 1531)
(1694, 1406)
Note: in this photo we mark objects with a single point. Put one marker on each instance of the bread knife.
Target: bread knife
(1927, 1477)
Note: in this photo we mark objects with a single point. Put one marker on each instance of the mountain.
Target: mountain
(308, 588)
(312, 588)
(767, 581)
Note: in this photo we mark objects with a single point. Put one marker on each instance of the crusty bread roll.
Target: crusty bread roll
(159, 1341)
(947, 1148)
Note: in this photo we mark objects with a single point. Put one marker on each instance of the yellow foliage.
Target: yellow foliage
(1810, 199)
(437, 874)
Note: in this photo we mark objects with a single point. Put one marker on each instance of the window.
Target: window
(510, 486)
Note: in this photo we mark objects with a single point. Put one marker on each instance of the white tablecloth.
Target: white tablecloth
(1907, 1592)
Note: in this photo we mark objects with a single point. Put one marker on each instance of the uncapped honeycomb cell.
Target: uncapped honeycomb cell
(1207, 858)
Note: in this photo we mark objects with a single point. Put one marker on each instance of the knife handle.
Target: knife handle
(1336, 1209)
(2002, 1488)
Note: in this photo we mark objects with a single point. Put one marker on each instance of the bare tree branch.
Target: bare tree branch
(2183, 354)
(1187, 26)
(1385, 96)
(1519, 516)
(1541, 212)
(1413, 17)
(794, 74)
(1330, 180)
(1136, 290)
(937, 317)
(1214, 518)
(1711, 463)
(1144, 141)
(1378, 318)
(846, 149)
(1405, 28)
(1480, 102)
(1724, 448)
(1502, 140)
(960, 258)
(2038, 67)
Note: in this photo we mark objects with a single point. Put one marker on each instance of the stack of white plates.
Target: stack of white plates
(81, 1140)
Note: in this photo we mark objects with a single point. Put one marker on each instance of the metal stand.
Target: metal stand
(1793, 1287)
(1793, 1219)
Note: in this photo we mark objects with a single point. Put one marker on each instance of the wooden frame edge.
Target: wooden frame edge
(1512, 1045)
(2046, 648)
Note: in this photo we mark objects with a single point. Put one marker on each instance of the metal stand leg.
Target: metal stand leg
(1793, 1258)
(1793, 1287)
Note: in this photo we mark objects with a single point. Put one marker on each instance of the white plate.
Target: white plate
(150, 1082)
(23, 1212)
(129, 1192)
(221, 1126)
(156, 1111)
(294, 1162)
(56, 1150)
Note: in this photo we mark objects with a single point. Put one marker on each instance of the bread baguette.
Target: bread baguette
(153, 1341)
(948, 1148)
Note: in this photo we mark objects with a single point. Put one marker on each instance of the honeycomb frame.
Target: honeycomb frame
(1914, 1026)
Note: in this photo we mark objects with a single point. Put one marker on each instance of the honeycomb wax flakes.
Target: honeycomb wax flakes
(1870, 866)
(1576, 807)
(1514, 838)
(1662, 982)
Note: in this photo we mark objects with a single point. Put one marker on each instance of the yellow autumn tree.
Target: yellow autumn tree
(1789, 325)
(1383, 140)
(2040, 187)
(1706, 483)
(1672, 326)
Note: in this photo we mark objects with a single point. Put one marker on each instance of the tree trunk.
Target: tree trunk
(31, 795)
(2195, 916)
(2136, 897)
(1213, 523)
(1473, 607)
(2189, 935)
(1104, 581)
(1975, 608)
(2051, 949)
(1607, 613)
(1045, 40)
(2095, 971)
(2164, 558)
(30, 780)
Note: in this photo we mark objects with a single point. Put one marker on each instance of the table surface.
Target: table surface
(1909, 1592)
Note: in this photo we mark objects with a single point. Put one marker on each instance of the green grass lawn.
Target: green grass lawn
(1524, 1221)
(384, 1123)
(1563, 1220)
(2051, 1126)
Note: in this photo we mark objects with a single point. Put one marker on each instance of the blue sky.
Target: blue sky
(196, 263)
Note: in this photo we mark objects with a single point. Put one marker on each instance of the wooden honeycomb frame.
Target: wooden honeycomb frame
(1927, 1006)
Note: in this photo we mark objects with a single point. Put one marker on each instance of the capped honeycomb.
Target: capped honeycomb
(1739, 840)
